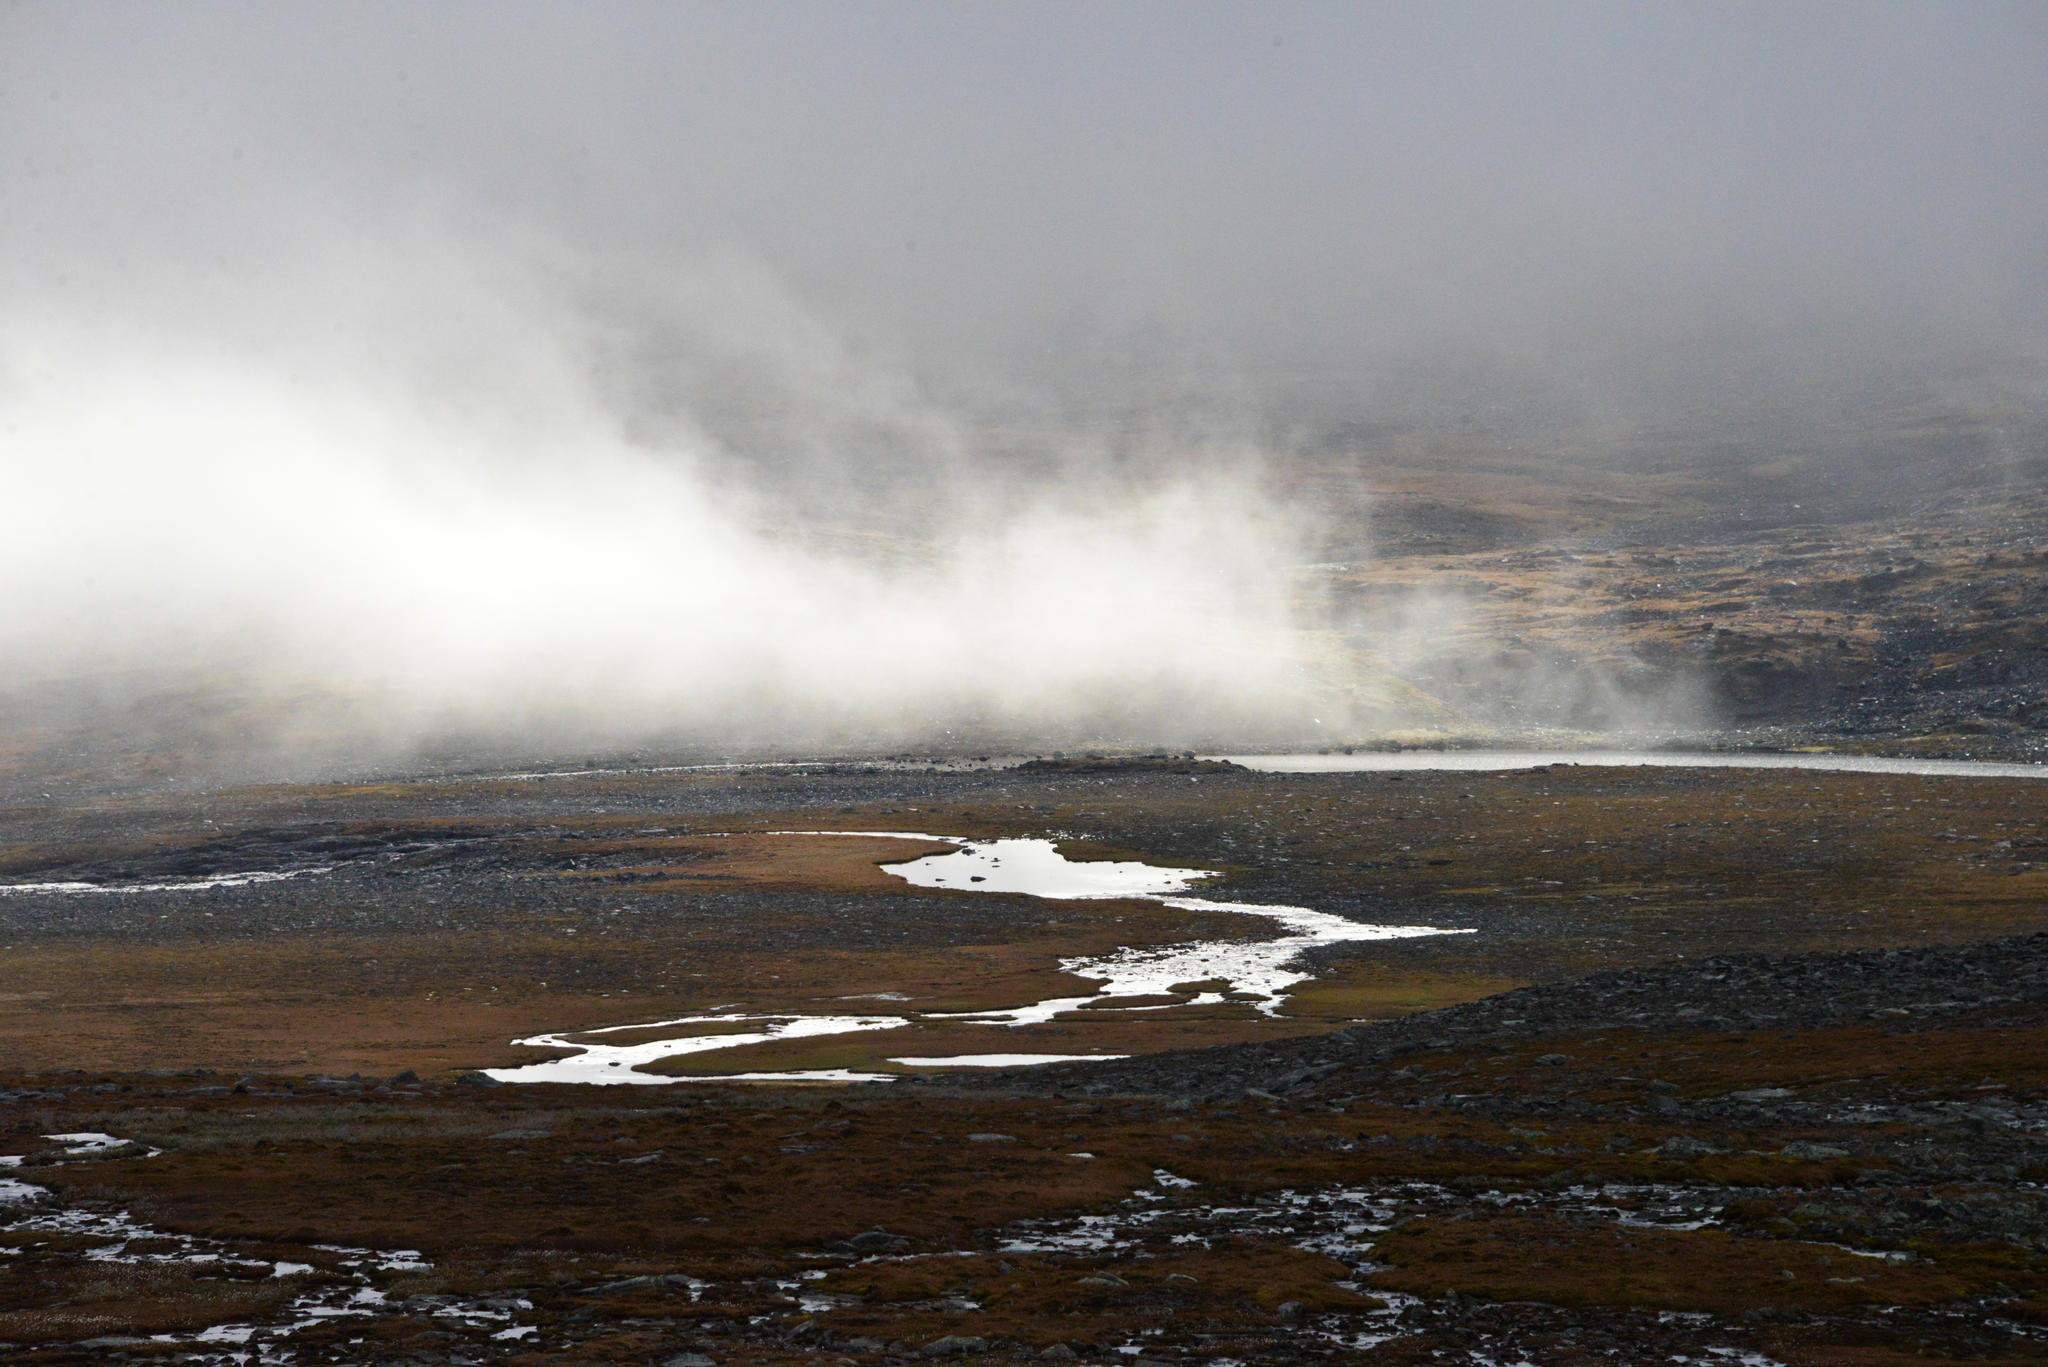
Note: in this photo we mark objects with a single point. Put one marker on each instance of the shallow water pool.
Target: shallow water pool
(1254, 972)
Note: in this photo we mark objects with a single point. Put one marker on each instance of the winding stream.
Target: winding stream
(200, 884)
(1258, 973)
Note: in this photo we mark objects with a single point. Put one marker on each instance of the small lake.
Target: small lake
(1408, 761)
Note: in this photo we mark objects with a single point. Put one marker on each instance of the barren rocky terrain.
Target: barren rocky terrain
(1732, 1063)
(1718, 1065)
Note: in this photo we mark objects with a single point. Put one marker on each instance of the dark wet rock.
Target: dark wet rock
(477, 1080)
(877, 1241)
(633, 1284)
(1684, 1146)
(1803, 1149)
(952, 1345)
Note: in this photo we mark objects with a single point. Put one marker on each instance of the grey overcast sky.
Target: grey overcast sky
(863, 371)
(1047, 198)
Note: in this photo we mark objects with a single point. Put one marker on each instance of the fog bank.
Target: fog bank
(816, 375)
(420, 478)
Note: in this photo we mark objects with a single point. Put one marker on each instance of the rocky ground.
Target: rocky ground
(1922, 632)
(1733, 1066)
(1725, 1066)
(1823, 1158)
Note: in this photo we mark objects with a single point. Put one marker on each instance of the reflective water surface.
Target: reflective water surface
(1397, 761)
(1258, 973)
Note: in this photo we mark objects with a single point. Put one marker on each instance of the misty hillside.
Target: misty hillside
(821, 380)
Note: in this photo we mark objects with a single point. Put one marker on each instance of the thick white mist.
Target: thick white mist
(410, 478)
